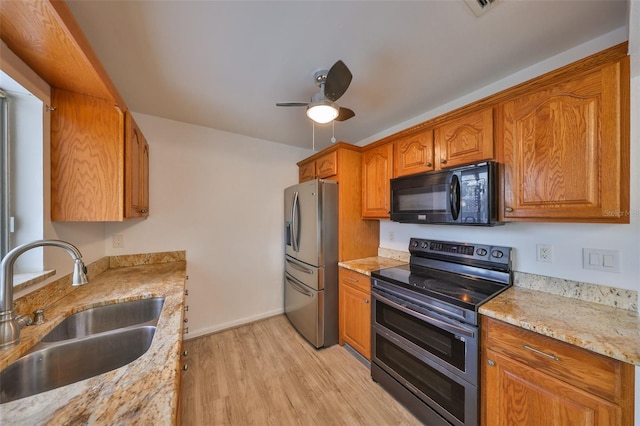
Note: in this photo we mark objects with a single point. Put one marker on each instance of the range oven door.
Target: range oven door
(435, 360)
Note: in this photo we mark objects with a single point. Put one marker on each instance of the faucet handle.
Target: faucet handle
(38, 316)
(23, 321)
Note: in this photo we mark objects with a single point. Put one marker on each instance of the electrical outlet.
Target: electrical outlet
(118, 241)
(544, 253)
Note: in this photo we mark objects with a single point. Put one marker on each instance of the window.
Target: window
(21, 172)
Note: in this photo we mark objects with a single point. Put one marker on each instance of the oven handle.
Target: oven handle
(452, 328)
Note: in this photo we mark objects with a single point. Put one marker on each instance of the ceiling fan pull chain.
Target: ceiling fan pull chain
(333, 131)
(313, 135)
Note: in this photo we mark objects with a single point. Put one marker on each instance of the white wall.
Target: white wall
(219, 196)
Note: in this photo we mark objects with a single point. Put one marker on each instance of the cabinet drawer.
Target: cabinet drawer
(581, 368)
(355, 279)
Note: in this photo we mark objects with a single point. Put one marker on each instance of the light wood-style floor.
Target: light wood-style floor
(264, 373)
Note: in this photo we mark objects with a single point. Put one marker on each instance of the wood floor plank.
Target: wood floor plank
(264, 373)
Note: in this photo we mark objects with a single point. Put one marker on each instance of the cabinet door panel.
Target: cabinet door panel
(465, 139)
(377, 169)
(355, 315)
(413, 154)
(307, 172)
(518, 394)
(564, 156)
(87, 158)
(327, 165)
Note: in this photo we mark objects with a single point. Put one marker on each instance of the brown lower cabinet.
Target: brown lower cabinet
(355, 311)
(530, 379)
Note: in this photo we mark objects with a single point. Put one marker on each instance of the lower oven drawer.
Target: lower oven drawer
(453, 398)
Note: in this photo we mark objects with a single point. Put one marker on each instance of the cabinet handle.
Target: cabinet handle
(353, 280)
(366, 300)
(508, 209)
(428, 164)
(539, 352)
(443, 161)
(491, 362)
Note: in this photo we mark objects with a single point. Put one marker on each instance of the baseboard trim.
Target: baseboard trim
(232, 324)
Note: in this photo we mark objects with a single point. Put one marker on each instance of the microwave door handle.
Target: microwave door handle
(294, 222)
(454, 197)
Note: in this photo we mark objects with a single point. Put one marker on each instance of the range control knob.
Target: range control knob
(414, 244)
(481, 252)
(424, 245)
(497, 254)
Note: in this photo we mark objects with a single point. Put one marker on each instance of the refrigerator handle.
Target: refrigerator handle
(294, 223)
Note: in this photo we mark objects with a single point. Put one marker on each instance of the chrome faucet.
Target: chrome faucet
(10, 323)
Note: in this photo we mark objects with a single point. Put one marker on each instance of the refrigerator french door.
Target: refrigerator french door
(311, 260)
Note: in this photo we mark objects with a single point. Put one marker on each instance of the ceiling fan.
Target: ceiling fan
(333, 83)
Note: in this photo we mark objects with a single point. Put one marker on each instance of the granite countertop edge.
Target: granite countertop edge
(368, 264)
(599, 328)
(144, 391)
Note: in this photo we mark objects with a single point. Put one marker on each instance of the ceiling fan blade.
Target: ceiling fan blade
(337, 82)
(344, 114)
(292, 104)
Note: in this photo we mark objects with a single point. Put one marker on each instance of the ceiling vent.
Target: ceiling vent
(480, 7)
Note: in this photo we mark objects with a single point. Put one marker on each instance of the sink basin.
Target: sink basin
(49, 366)
(105, 318)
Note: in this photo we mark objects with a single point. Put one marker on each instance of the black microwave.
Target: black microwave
(465, 195)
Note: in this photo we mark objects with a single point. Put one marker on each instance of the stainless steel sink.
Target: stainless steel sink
(109, 317)
(49, 366)
(84, 345)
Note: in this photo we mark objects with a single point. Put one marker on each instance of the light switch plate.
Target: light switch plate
(601, 259)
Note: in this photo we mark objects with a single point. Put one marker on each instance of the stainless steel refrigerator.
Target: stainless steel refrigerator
(311, 260)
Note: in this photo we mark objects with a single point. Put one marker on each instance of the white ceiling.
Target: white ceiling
(224, 64)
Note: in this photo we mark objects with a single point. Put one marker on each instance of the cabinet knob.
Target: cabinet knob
(185, 330)
(185, 367)
(508, 209)
(144, 211)
(186, 308)
(186, 320)
(428, 164)
(186, 292)
(443, 161)
(491, 363)
(185, 353)
(366, 300)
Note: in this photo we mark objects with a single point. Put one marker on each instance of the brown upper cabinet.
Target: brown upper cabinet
(99, 164)
(99, 157)
(136, 177)
(377, 170)
(561, 141)
(413, 154)
(341, 162)
(323, 167)
(566, 149)
(465, 139)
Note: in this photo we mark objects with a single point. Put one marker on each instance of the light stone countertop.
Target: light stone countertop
(368, 264)
(144, 391)
(594, 326)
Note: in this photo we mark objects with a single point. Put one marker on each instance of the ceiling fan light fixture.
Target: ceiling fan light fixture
(322, 111)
